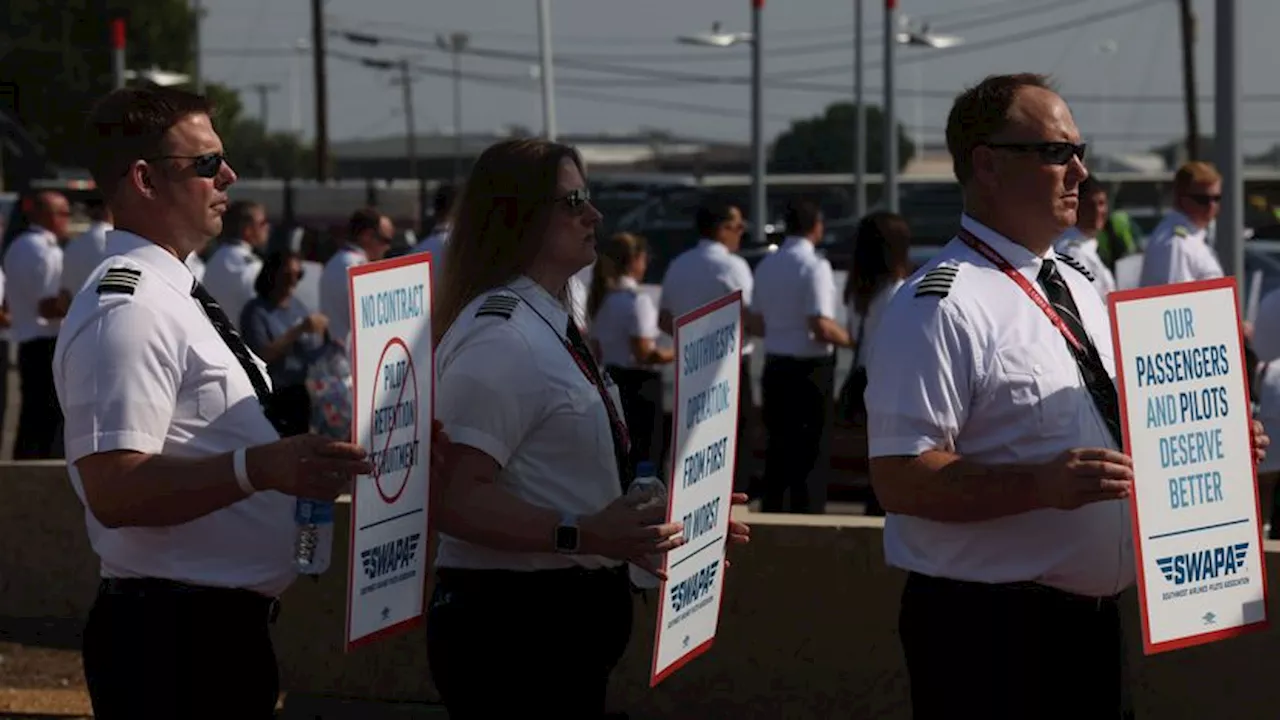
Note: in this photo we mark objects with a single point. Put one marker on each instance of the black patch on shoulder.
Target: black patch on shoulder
(1076, 264)
(499, 305)
(119, 281)
(937, 281)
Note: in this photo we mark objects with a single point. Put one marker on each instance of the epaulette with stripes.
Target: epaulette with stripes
(120, 281)
(937, 281)
(500, 305)
(1079, 267)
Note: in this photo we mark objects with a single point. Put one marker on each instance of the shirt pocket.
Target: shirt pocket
(209, 376)
(590, 437)
(1036, 387)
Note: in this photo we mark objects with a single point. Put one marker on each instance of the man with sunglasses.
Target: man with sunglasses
(187, 486)
(1176, 250)
(994, 435)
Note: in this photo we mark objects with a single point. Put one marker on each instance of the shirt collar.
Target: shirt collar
(798, 244)
(712, 246)
(1018, 256)
(626, 282)
(543, 303)
(174, 271)
(356, 249)
(48, 235)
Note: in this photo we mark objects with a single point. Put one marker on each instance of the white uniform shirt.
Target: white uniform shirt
(1176, 252)
(1269, 414)
(33, 265)
(1085, 250)
(229, 277)
(196, 266)
(791, 286)
(334, 293)
(507, 386)
(703, 273)
(147, 372)
(435, 243)
(626, 313)
(83, 255)
(864, 336)
(983, 373)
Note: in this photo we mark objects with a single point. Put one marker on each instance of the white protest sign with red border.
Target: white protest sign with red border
(393, 404)
(704, 449)
(1184, 406)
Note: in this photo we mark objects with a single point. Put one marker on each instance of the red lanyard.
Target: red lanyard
(619, 427)
(985, 250)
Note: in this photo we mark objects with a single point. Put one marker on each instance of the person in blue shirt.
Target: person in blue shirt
(287, 335)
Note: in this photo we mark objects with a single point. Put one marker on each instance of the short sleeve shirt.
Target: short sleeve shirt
(626, 313)
(334, 291)
(138, 366)
(983, 373)
(229, 277)
(33, 264)
(791, 286)
(705, 272)
(507, 386)
(1176, 252)
(261, 323)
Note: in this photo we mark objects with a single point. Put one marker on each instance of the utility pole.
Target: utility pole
(548, 79)
(1228, 97)
(263, 89)
(321, 81)
(198, 76)
(759, 197)
(860, 119)
(456, 43)
(410, 135)
(1188, 23)
(890, 150)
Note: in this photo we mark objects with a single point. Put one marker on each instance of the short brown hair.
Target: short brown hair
(239, 216)
(366, 218)
(129, 124)
(1196, 171)
(502, 210)
(981, 112)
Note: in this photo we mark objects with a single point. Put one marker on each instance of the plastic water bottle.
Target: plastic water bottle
(647, 477)
(314, 546)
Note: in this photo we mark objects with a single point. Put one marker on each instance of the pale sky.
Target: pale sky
(621, 54)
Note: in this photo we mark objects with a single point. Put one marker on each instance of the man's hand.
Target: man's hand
(440, 454)
(315, 323)
(739, 532)
(633, 527)
(5, 320)
(1082, 476)
(1260, 439)
(309, 466)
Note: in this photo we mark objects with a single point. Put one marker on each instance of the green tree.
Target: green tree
(56, 58)
(824, 144)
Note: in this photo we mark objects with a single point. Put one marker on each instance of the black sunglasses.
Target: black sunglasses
(1205, 199)
(576, 200)
(206, 166)
(1051, 153)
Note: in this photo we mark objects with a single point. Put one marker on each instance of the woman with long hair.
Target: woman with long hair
(532, 606)
(880, 266)
(624, 329)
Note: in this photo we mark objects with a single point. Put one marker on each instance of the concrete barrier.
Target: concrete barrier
(809, 626)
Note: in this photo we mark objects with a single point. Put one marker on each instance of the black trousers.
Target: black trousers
(522, 644)
(641, 393)
(158, 649)
(39, 416)
(1000, 652)
(746, 468)
(797, 417)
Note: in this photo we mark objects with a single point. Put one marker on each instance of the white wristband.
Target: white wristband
(242, 472)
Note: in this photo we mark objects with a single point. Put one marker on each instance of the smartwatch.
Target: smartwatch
(567, 537)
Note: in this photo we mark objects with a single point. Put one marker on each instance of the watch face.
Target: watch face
(567, 538)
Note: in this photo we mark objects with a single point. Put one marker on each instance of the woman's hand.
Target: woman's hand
(315, 323)
(631, 528)
(739, 532)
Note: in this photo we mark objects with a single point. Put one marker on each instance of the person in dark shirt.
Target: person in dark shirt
(287, 335)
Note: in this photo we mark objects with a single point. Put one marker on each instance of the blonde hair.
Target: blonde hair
(1196, 171)
(611, 263)
(498, 221)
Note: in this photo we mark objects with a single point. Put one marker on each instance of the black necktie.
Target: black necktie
(227, 331)
(621, 441)
(1096, 379)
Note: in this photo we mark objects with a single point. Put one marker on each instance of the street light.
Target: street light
(456, 44)
(717, 38)
(158, 77)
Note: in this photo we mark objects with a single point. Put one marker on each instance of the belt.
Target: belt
(231, 599)
(1029, 590)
